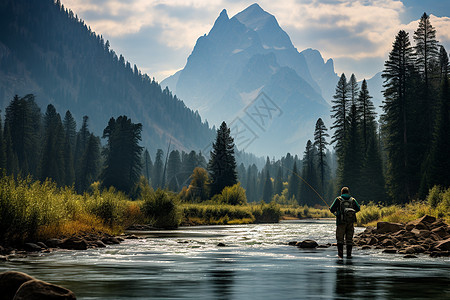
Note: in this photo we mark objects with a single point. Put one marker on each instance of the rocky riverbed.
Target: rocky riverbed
(82, 241)
(426, 235)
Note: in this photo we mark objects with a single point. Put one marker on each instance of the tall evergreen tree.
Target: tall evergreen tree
(158, 169)
(366, 112)
(122, 166)
(173, 170)
(278, 186)
(353, 89)
(309, 175)
(70, 129)
(436, 169)
(252, 173)
(320, 143)
(23, 117)
(352, 159)
(339, 114)
(89, 164)
(12, 163)
(222, 164)
(70, 133)
(294, 183)
(397, 77)
(147, 165)
(2, 149)
(52, 160)
(268, 187)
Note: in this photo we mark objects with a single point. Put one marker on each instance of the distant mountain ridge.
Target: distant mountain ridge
(244, 56)
(47, 50)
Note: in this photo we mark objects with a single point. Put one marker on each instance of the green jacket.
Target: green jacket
(337, 203)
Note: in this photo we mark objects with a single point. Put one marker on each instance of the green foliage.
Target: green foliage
(232, 195)
(122, 166)
(434, 196)
(198, 214)
(266, 213)
(222, 164)
(161, 208)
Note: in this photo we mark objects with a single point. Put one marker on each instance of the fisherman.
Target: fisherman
(345, 208)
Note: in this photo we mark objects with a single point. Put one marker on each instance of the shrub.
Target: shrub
(234, 195)
(435, 196)
(267, 213)
(161, 208)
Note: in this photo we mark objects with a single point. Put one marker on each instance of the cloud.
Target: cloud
(345, 30)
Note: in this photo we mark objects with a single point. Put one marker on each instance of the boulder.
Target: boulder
(74, 243)
(221, 245)
(390, 250)
(40, 290)
(308, 244)
(42, 245)
(409, 256)
(110, 240)
(414, 249)
(421, 226)
(443, 245)
(31, 247)
(324, 246)
(99, 244)
(409, 227)
(387, 227)
(366, 247)
(372, 241)
(132, 237)
(388, 243)
(437, 224)
(53, 243)
(425, 219)
(10, 282)
(292, 243)
(441, 232)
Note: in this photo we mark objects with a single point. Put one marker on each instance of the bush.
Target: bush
(161, 208)
(435, 196)
(234, 195)
(267, 213)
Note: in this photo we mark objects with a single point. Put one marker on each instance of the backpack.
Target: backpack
(348, 214)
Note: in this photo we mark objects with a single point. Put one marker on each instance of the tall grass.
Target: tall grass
(33, 210)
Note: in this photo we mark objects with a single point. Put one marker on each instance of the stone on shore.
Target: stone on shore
(31, 247)
(40, 290)
(387, 227)
(444, 245)
(74, 243)
(309, 244)
(53, 243)
(10, 282)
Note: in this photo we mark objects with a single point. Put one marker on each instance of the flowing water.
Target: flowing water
(256, 263)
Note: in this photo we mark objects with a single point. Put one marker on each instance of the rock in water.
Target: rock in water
(10, 282)
(74, 244)
(40, 290)
(308, 244)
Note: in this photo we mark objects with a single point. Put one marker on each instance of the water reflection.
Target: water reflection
(256, 264)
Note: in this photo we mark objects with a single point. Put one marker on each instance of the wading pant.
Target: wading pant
(345, 231)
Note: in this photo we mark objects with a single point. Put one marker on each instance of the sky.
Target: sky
(158, 35)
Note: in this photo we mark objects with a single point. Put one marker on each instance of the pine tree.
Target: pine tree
(339, 113)
(294, 183)
(89, 164)
(12, 163)
(320, 143)
(173, 170)
(222, 164)
(147, 165)
(436, 170)
(397, 76)
(278, 186)
(268, 187)
(70, 127)
(426, 49)
(352, 155)
(353, 89)
(366, 112)
(251, 183)
(309, 175)
(122, 166)
(2, 149)
(158, 169)
(52, 161)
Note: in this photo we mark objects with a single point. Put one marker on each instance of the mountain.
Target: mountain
(247, 72)
(47, 50)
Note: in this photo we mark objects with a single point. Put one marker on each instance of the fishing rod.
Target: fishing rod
(308, 185)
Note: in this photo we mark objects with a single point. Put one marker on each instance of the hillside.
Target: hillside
(45, 49)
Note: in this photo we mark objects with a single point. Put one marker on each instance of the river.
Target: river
(256, 263)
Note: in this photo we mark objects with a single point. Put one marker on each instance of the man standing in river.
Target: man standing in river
(345, 208)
